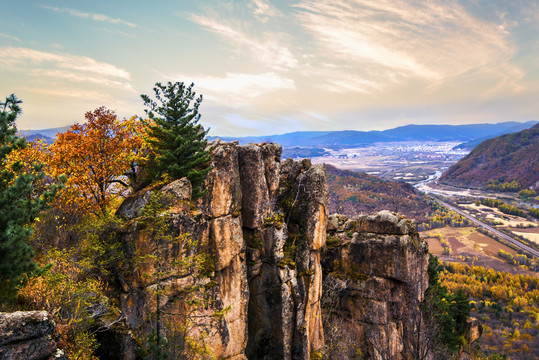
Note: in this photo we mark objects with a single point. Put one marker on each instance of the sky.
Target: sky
(272, 67)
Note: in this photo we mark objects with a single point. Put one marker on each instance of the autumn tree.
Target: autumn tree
(95, 156)
(177, 139)
(20, 202)
(444, 311)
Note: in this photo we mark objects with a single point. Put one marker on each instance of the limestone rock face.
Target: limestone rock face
(27, 335)
(285, 214)
(375, 270)
(263, 227)
(174, 196)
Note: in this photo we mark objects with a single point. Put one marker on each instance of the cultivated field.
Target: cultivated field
(496, 215)
(531, 234)
(470, 247)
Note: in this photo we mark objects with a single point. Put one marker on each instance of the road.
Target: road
(491, 229)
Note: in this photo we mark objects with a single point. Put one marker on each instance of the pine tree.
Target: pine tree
(177, 139)
(19, 203)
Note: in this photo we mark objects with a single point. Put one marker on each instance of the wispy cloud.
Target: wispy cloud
(75, 94)
(263, 10)
(237, 88)
(266, 49)
(7, 36)
(433, 41)
(92, 16)
(60, 66)
(79, 77)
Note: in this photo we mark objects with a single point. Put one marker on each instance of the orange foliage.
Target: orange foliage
(96, 156)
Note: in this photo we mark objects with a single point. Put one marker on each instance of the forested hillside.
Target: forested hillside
(357, 192)
(511, 159)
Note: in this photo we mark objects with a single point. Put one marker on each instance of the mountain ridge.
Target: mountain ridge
(501, 159)
(348, 138)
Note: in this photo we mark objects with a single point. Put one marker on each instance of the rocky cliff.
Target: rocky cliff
(240, 272)
(262, 223)
(374, 279)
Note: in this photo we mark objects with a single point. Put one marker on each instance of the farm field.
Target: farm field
(531, 234)
(493, 214)
(468, 246)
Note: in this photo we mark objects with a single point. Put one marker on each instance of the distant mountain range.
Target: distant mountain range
(503, 159)
(44, 134)
(352, 138)
(468, 134)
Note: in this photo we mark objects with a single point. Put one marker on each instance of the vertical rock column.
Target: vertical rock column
(284, 208)
(222, 204)
(306, 203)
(215, 225)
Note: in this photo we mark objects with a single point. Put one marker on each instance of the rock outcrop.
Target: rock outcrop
(28, 335)
(262, 224)
(374, 279)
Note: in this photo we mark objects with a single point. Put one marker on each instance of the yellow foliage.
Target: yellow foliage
(74, 300)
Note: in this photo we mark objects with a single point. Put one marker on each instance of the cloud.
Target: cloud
(92, 16)
(75, 94)
(238, 88)
(7, 36)
(352, 84)
(20, 57)
(263, 10)
(433, 41)
(79, 77)
(266, 49)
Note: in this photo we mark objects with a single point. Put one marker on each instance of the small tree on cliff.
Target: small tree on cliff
(20, 202)
(177, 139)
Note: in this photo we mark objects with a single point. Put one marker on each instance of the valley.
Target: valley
(411, 162)
(491, 255)
(421, 165)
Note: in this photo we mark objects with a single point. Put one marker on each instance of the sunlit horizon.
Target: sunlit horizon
(274, 67)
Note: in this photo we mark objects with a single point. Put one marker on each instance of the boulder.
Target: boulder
(174, 196)
(28, 335)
